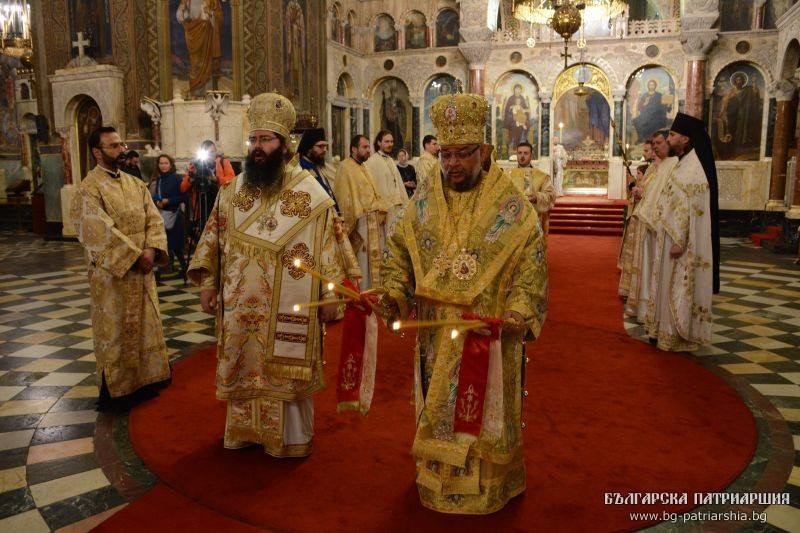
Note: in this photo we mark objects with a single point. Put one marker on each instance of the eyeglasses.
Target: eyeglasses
(321, 146)
(461, 156)
(261, 139)
(115, 145)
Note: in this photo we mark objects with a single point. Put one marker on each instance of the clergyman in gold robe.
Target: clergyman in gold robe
(639, 247)
(388, 181)
(468, 242)
(362, 209)
(123, 236)
(269, 229)
(428, 159)
(535, 184)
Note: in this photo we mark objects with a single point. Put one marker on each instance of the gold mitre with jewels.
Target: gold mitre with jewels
(273, 112)
(459, 118)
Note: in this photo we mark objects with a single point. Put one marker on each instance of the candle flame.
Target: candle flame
(454, 334)
(297, 263)
(396, 325)
(296, 308)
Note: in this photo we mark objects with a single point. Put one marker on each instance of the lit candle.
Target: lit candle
(560, 131)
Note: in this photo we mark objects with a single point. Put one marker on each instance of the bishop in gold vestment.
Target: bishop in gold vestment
(116, 222)
(268, 228)
(468, 242)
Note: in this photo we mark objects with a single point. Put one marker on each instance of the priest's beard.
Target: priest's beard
(264, 173)
(465, 185)
(316, 159)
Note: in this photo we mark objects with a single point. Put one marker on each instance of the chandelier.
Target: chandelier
(15, 30)
(564, 16)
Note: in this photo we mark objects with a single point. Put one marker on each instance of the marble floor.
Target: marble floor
(56, 472)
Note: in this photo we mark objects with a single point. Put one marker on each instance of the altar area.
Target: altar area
(586, 170)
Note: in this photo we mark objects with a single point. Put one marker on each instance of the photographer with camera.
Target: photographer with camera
(207, 172)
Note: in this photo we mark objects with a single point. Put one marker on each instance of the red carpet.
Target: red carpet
(606, 413)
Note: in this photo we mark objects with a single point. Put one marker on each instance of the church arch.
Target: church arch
(24, 91)
(349, 26)
(581, 119)
(790, 61)
(392, 110)
(651, 102)
(737, 114)
(416, 30)
(448, 25)
(345, 85)
(384, 33)
(83, 115)
(514, 104)
(439, 84)
(336, 33)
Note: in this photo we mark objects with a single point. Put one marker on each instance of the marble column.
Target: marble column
(545, 99)
(476, 54)
(617, 133)
(476, 45)
(696, 45)
(759, 7)
(399, 27)
(784, 92)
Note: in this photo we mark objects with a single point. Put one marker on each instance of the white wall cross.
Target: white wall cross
(80, 44)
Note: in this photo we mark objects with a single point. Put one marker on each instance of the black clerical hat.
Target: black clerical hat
(310, 138)
(687, 125)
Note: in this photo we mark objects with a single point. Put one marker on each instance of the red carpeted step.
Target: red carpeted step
(606, 414)
(592, 223)
(584, 230)
(587, 216)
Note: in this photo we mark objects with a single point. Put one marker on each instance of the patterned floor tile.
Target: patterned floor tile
(67, 487)
(40, 453)
(29, 522)
(13, 479)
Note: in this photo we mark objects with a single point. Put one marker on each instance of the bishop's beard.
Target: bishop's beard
(266, 172)
(465, 185)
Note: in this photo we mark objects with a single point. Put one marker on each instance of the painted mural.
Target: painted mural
(416, 30)
(294, 28)
(201, 46)
(385, 34)
(582, 122)
(9, 133)
(447, 24)
(650, 106)
(93, 19)
(737, 109)
(438, 86)
(392, 111)
(735, 15)
(516, 112)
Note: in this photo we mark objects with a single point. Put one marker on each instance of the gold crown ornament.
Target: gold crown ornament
(459, 118)
(272, 112)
